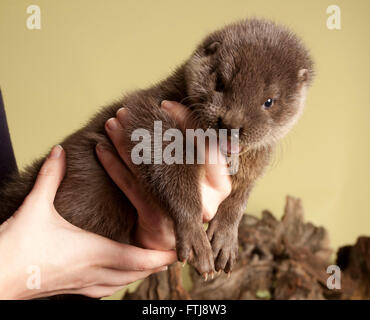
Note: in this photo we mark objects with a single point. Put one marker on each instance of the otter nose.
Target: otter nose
(222, 125)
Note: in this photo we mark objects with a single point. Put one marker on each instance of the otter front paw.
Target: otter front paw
(192, 245)
(225, 246)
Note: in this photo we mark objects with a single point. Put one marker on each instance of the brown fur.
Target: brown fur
(225, 84)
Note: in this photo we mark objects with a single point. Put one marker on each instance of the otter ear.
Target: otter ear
(303, 75)
(211, 48)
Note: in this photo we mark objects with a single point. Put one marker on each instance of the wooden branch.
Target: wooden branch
(166, 285)
(284, 259)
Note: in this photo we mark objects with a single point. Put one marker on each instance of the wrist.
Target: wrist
(14, 278)
(11, 286)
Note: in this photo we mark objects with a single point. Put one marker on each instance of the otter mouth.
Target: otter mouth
(228, 143)
(228, 147)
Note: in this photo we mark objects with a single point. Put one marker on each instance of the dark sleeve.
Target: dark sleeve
(7, 159)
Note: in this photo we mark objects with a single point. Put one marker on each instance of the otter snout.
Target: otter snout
(223, 123)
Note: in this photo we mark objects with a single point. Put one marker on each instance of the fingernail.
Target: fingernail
(101, 147)
(164, 268)
(167, 104)
(112, 124)
(56, 152)
(120, 110)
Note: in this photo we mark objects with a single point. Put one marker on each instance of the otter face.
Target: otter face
(250, 76)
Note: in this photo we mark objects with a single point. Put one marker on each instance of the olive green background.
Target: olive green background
(89, 52)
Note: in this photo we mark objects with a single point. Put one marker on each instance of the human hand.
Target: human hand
(155, 229)
(65, 259)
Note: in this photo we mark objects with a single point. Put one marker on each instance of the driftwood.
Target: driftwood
(285, 259)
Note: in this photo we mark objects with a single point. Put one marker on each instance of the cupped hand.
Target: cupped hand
(41, 254)
(155, 229)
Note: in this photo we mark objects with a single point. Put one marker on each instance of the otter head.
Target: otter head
(250, 76)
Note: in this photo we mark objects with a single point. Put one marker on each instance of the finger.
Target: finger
(89, 291)
(181, 113)
(125, 178)
(117, 170)
(50, 175)
(216, 184)
(122, 177)
(216, 171)
(178, 112)
(112, 277)
(98, 291)
(120, 256)
(108, 281)
(114, 128)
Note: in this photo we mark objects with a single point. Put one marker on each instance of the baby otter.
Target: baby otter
(251, 76)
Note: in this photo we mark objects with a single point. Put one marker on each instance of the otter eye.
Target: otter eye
(220, 85)
(268, 103)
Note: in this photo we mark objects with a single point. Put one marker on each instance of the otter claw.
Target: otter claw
(205, 276)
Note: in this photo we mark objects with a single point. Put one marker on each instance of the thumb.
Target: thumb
(50, 175)
(180, 113)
